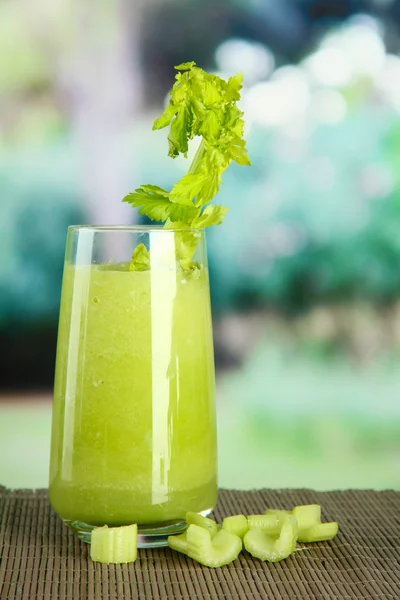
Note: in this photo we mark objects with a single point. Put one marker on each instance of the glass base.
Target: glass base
(149, 536)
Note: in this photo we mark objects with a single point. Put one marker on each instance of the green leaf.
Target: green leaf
(178, 135)
(238, 152)
(157, 206)
(175, 224)
(185, 66)
(212, 215)
(234, 87)
(166, 117)
(188, 188)
(140, 260)
(155, 189)
(212, 92)
(185, 245)
(212, 124)
(209, 189)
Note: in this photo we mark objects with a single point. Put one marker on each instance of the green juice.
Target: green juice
(134, 431)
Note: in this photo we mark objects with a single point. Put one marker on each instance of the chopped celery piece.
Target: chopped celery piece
(278, 514)
(195, 519)
(319, 532)
(271, 522)
(210, 551)
(178, 542)
(272, 547)
(114, 544)
(307, 516)
(265, 523)
(310, 527)
(238, 525)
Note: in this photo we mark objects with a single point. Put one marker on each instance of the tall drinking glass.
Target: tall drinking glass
(134, 426)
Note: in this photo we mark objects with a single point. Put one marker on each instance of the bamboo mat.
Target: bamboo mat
(40, 558)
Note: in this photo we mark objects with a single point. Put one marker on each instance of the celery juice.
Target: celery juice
(134, 432)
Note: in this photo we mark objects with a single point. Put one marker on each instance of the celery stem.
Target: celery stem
(201, 150)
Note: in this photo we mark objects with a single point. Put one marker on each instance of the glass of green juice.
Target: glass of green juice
(134, 420)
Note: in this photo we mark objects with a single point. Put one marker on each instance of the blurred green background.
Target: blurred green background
(305, 271)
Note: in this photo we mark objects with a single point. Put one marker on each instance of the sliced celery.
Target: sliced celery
(320, 532)
(214, 552)
(272, 546)
(178, 542)
(114, 544)
(238, 525)
(266, 523)
(271, 522)
(195, 519)
(307, 516)
(310, 527)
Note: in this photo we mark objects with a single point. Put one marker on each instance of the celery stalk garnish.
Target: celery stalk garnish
(201, 105)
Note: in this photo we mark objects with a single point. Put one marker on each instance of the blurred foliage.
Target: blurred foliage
(24, 64)
(321, 225)
(315, 220)
(313, 391)
(305, 274)
(290, 239)
(316, 223)
(39, 201)
(291, 28)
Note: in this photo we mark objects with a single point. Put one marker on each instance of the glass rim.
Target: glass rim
(133, 228)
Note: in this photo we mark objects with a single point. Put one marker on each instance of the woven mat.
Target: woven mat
(40, 558)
